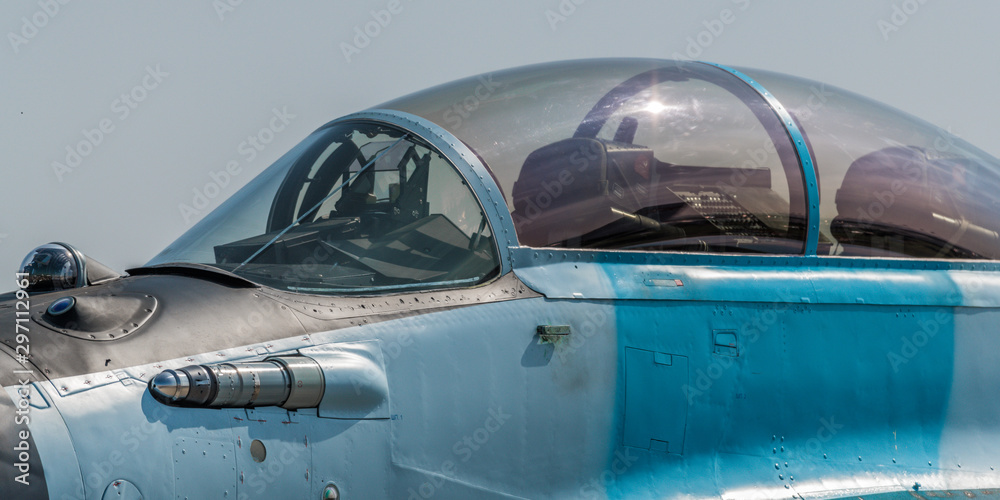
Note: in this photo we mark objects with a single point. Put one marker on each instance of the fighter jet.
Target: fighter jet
(614, 278)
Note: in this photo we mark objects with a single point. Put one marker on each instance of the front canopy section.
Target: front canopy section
(358, 207)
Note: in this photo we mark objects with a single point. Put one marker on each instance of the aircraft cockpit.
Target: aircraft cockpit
(380, 208)
(430, 189)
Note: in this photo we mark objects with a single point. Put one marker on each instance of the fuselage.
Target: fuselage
(844, 377)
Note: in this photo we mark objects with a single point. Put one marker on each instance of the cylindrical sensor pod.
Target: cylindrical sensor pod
(290, 382)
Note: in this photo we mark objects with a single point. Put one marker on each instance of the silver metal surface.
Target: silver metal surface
(291, 382)
(250, 384)
(170, 385)
(306, 381)
(98, 316)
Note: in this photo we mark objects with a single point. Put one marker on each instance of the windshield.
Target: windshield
(357, 207)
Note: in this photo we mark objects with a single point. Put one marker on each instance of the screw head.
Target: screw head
(331, 492)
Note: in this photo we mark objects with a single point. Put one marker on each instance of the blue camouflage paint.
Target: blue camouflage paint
(822, 347)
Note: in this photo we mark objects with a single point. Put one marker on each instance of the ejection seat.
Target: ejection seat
(901, 201)
(575, 186)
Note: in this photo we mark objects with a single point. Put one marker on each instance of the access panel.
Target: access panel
(655, 406)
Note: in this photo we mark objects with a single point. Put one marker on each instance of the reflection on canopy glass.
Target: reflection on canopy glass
(358, 207)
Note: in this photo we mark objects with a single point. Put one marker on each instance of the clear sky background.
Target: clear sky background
(206, 75)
